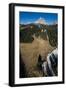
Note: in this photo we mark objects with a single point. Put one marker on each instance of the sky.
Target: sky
(31, 17)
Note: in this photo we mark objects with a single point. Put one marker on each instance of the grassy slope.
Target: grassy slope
(26, 34)
(31, 48)
(30, 53)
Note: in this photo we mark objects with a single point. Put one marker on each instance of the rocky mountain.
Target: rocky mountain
(40, 21)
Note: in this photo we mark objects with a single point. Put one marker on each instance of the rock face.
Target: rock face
(50, 66)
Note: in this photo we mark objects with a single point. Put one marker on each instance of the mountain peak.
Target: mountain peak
(40, 21)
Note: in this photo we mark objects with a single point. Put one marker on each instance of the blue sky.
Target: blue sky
(31, 17)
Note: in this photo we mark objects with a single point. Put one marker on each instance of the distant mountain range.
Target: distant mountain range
(41, 21)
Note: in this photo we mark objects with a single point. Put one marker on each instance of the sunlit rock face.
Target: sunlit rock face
(50, 66)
